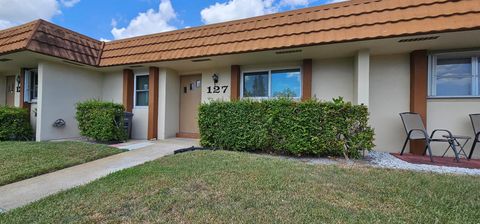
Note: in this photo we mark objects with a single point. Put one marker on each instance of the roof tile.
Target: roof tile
(354, 20)
(346, 21)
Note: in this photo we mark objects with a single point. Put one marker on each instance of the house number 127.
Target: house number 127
(217, 89)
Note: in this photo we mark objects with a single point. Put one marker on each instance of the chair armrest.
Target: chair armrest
(450, 136)
(419, 130)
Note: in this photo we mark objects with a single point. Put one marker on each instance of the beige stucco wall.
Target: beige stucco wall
(60, 88)
(389, 96)
(452, 114)
(112, 87)
(332, 78)
(361, 78)
(168, 104)
(224, 78)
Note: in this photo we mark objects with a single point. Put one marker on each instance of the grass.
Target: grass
(22, 160)
(232, 187)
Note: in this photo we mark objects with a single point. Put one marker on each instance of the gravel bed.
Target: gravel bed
(385, 160)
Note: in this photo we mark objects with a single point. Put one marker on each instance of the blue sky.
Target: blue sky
(116, 19)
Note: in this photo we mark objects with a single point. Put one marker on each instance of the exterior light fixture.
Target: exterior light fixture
(215, 78)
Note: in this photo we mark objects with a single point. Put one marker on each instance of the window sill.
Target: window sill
(270, 98)
(452, 97)
(140, 107)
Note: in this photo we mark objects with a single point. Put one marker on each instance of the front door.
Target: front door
(10, 94)
(190, 98)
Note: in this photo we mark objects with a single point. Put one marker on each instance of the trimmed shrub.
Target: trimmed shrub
(285, 126)
(101, 121)
(15, 124)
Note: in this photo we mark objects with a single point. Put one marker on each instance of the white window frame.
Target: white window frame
(135, 92)
(269, 70)
(432, 79)
(28, 87)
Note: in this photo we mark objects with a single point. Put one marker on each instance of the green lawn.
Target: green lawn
(22, 160)
(232, 187)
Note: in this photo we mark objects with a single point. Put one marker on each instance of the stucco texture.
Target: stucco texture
(333, 78)
(389, 96)
(452, 114)
(168, 104)
(60, 88)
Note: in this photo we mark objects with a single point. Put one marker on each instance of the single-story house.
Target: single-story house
(393, 56)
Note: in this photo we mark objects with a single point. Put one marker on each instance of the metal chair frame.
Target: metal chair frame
(428, 139)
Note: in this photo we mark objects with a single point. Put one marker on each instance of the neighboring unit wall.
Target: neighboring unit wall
(168, 104)
(333, 78)
(112, 88)
(389, 96)
(60, 88)
(112, 91)
(452, 114)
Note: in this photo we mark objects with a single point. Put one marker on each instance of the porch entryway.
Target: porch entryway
(190, 99)
(10, 91)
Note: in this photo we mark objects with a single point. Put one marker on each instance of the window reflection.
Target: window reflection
(454, 77)
(141, 90)
(286, 83)
(255, 84)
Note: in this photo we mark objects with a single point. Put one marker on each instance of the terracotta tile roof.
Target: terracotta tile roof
(46, 38)
(341, 22)
(346, 21)
(16, 38)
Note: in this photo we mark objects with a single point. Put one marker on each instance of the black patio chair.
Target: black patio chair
(415, 130)
(475, 118)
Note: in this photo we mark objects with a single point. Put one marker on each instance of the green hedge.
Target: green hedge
(101, 121)
(284, 126)
(15, 124)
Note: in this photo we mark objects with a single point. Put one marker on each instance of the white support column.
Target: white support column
(39, 123)
(361, 78)
(168, 103)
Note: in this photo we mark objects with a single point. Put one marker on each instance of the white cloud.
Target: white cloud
(293, 3)
(335, 1)
(105, 40)
(15, 12)
(239, 9)
(148, 22)
(69, 3)
(236, 9)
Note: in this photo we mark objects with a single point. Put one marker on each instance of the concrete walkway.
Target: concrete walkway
(24, 192)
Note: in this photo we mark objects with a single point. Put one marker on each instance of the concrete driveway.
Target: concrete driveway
(24, 192)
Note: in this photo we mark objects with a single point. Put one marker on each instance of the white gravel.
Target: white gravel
(385, 160)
